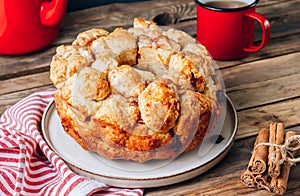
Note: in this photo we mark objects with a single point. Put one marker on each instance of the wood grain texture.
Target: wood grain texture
(25, 82)
(263, 87)
(262, 70)
(7, 100)
(252, 119)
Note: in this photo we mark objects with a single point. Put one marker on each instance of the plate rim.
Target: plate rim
(222, 153)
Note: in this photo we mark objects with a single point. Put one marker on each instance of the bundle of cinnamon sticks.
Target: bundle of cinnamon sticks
(266, 168)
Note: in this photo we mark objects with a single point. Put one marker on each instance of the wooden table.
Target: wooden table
(263, 87)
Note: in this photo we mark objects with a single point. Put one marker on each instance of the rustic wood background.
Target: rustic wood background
(264, 86)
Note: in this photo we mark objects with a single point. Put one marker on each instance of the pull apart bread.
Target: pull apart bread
(136, 94)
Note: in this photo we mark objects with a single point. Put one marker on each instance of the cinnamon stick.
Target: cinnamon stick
(282, 179)
(272, 140)
(259, 158)
(273, 185)
(269, 166)
(262, 181)
(248, 179)
(274, 168)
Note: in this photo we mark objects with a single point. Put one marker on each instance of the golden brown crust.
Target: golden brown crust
(185, 74)
(67, 61)
(87, 37)
(126, 81)
(205, 120)
(159, 105)
(156, 110)
(123, 45)
(66, 119)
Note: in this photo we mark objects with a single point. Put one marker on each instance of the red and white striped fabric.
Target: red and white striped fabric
(29, 167)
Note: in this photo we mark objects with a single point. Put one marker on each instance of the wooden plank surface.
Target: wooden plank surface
(263, 87)
(25, 82)
(7, 100)
(262, 70)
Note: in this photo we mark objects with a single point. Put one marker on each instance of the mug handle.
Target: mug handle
(52, 12)
(265, 25)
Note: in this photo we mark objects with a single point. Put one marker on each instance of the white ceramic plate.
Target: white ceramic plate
(130, 174)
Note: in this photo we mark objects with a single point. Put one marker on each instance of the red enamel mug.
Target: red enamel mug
(29, 25)
(226, 28)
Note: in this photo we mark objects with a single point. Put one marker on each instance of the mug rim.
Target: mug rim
(226, 9)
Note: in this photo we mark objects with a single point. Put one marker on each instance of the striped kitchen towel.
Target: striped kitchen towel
(29, 167)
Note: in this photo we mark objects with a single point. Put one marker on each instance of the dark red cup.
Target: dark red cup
(228, 33)
(29, 25)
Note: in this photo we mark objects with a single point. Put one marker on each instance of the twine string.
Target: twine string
(287, 150)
